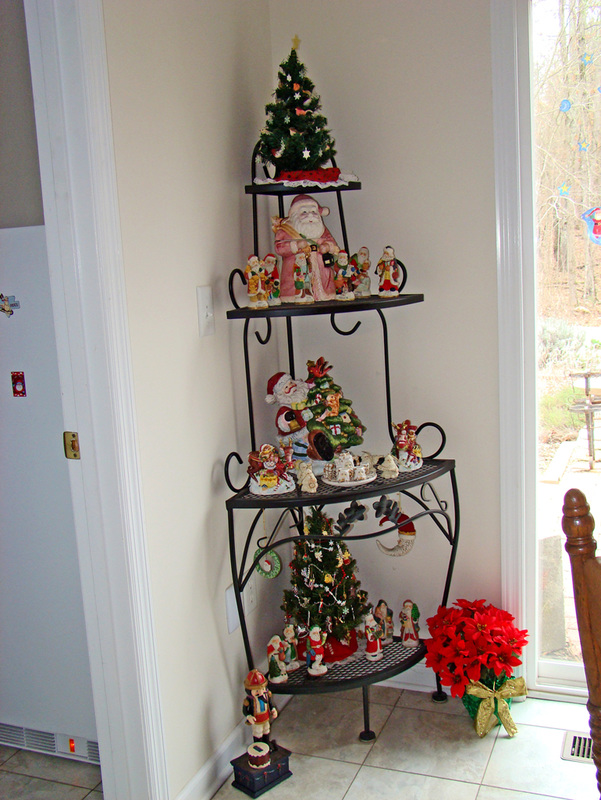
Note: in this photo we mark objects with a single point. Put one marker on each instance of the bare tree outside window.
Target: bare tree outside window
(566, 92)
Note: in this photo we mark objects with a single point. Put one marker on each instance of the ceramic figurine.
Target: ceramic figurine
(406, 449)
(268, 474)
(255, 283)
(406, 537)
(360, 277)
(291, 649)
(342, 277)
(304, 230)
(292, 415)
(315, 651)
(276, 658)
(388, 468)
(306, 478)
(272, 280)
(383, 617)
(373, 638)
(302, 280)
(346, 468)
(257, 707)
(409, 617)
(388, 273)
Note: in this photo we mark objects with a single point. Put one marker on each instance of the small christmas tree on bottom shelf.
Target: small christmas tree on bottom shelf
(325, 590)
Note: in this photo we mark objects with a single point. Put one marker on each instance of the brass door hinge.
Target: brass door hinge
(71, 442)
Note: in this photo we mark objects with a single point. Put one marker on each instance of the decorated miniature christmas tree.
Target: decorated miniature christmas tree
(324, 587)
(332, 412)
(295, 136)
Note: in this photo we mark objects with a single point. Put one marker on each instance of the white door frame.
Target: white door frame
(510, 29)
(72, 111)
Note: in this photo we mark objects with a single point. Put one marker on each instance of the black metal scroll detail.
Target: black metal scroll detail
(226, 472)
(339, 330)
(267, 337)
(443, 436)
(404, 271)
(230, 285)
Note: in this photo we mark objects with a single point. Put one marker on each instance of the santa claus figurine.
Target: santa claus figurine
(409, 617)
(388, 273)
(303, 230)
(373, 639)
(272, 279)
(292, 416)
(360, 278)
(315, 652)
(255, 283)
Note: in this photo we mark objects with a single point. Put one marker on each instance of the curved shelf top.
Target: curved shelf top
(314, 188)
(353, 672)
(326, 494)
(326, 307)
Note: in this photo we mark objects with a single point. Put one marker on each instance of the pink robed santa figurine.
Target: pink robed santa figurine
(303, 230)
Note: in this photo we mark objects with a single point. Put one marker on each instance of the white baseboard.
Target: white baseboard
(417, 679)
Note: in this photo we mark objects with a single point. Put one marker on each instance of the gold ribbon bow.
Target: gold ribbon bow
(485, 719)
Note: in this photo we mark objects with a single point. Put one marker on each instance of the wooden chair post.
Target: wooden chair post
(578, 525)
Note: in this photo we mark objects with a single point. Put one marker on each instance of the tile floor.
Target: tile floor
(34, 776)
(424, 751)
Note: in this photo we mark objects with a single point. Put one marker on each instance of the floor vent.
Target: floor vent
(59, 744)
(93, 753)
(577, 747)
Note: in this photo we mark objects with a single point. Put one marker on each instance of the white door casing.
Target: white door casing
(70, 87)
(514, 165)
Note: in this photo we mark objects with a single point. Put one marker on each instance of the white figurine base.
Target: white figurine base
(374, 656)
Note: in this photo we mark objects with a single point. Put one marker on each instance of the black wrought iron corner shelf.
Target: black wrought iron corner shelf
(417, 486)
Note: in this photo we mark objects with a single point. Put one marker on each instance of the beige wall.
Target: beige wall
(406, 88)
(20, 190)
(187, 90)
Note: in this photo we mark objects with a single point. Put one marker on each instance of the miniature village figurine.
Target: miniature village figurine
(291, 649)
(373, 638)
(276, 658)
(315, 651)
(255, 283)
(383, 617)
(388, 468)
(409, 617)
(342, 277)
(272, 280)
(306, 478)
(388, 273)
(302, 280)
(304, 230)
(257, 708)
(268, 474)
(360, 276)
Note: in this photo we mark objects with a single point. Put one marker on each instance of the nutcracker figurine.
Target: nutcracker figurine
(257, 707)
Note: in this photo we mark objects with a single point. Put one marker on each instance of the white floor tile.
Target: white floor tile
(531, 762)
(315, 778)
(550, 714)
(438, 745)
(53, 768)
(328, 725)
(385, 784)
(422, 701)
(492, 793)
(25, 787)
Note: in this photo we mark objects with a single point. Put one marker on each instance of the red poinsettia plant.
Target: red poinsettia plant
(473, 641)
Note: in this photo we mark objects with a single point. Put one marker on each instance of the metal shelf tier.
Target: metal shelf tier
(328, 495)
